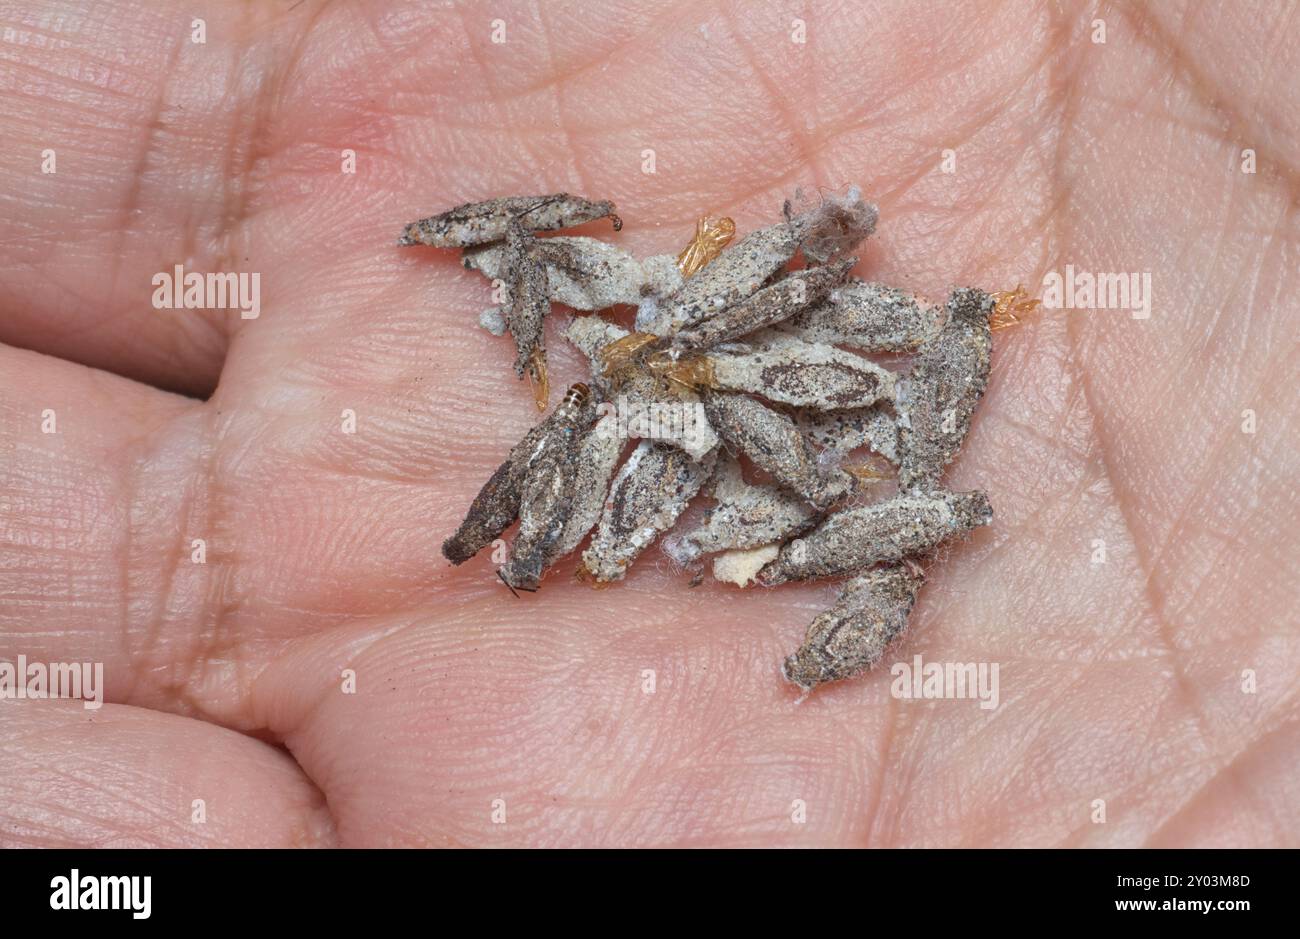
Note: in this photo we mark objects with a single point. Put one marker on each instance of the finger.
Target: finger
(98, 487)
(119, 777)
(130, 148)
(182, 543)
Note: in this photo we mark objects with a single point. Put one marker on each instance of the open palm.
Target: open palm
(1137, 588)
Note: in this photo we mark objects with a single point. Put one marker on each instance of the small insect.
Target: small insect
(620, 358)
(478, 223)
(498, 502)
(636, 362)
(689, 373)
(853, 539)
(711, 236)
(774, 444)
(649, 493)
(591, 335)
(639, 395)
(852, 636)
(947, 382)
(548, 492)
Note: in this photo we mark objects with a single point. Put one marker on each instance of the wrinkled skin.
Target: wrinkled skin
(1120, 681)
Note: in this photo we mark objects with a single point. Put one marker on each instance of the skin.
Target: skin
(1119, 681)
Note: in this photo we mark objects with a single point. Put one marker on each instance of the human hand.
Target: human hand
(1120, 681)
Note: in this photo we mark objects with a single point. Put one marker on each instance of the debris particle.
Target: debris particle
(837, 225)
(741, 566)
(493, 320)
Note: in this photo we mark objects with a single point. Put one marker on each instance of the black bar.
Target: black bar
(548, 889)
